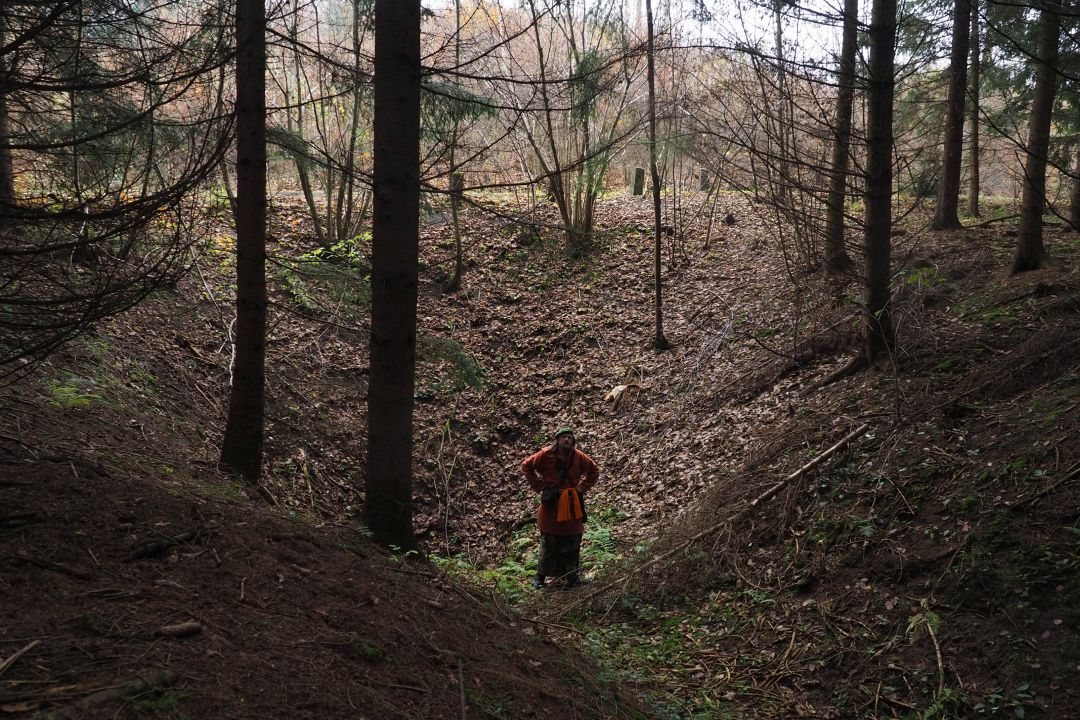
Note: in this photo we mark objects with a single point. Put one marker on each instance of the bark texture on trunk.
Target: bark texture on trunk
(836, 256)
(7, 165)
(395, 245)
(241, 448)
(1074, 200)
(659, 340)
(1030, 252)
(973, 84)
(947, 212)
(878, 225)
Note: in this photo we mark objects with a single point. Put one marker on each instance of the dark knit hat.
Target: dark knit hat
(564, 431)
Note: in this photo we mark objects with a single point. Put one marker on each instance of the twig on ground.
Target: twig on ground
(1073, 473)
(12, 438)
(18, 654)
(180, 630)
(557, 626)
(940, 662)
(399, 686)
(153, 548)
(991, 221)
(82, 708)
(461, 686)
(50, 565)
(19, 519)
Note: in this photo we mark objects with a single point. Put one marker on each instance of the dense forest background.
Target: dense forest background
(288, 290)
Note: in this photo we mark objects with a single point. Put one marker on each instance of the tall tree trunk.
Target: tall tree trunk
(783, 127)
(837, 259)
(457, 180)
(1074, 201)
(1030, 252)
(973, 92)
(7, 166)
(395, 246)
(877, 238)
(946, 214)
(226, 182)
(350, 219)
(241, 448)
(83, 252)
(301, 157)
(659, 340)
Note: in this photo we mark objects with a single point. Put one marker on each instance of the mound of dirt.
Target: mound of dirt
(123, 598)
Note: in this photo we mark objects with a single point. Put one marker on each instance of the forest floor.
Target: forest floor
(927, 568)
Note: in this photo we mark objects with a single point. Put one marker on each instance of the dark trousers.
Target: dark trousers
(560, 556)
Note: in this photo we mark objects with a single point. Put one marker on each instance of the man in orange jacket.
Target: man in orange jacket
(562, 474)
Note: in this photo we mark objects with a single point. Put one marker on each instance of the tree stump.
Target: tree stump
(639, 181)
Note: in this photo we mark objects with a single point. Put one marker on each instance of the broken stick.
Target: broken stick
(18, 654)
(180, 630)
(153, 548)
(80, 709)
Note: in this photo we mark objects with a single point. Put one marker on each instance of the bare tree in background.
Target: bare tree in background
(7, 168)
(659, 341)
(571, 96)
(323, 74)
(457, 181)
(837, 259)
(973, 111)
(946, 213)
(1074, 200)
(1030, 252)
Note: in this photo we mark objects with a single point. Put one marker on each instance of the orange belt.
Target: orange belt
(569, 506)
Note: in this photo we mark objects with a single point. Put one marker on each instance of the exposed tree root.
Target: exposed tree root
(857, 364)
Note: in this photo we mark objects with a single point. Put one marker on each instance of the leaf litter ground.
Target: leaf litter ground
(813, 606)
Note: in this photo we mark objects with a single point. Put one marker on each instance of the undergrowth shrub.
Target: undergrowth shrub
(466, 371)
(329, 280)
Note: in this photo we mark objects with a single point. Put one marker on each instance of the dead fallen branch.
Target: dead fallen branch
(180, 630)
(19, 519)
(840, 445)
(991, 221)
(82, 708)
(24, 557)
(759, 500)
(18, 654)
(153, 548)
(1072, 474)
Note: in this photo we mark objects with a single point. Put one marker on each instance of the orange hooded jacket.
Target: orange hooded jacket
(541, 469)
